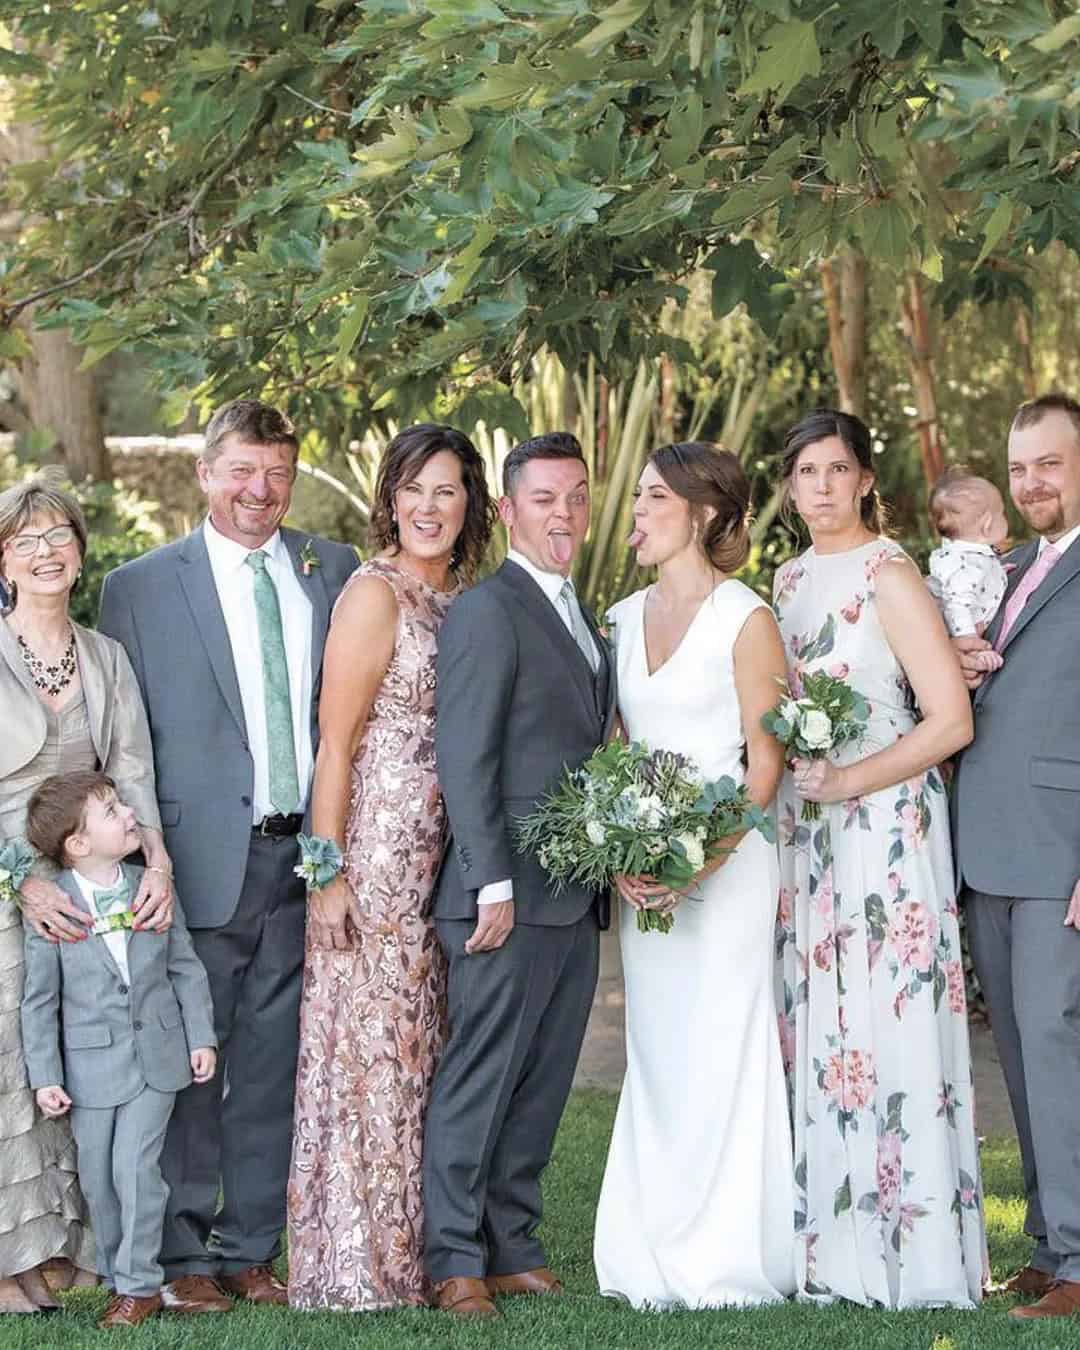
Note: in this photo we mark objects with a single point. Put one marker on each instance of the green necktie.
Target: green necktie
(284, 781)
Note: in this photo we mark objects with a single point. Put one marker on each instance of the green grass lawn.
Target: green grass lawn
(582, 1318)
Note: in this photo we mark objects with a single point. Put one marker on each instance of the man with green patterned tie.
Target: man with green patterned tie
(225, 630)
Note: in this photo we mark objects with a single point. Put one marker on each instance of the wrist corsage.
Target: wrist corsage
(17, 859)
(320, 861)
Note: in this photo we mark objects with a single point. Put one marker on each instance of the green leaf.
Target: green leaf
(14, 344)
(351, 326)
(995, 228)
(790, 53)
(612, 23)
(503, 86)
(464, 266)
(684, 126)
(885, 231)
(1062, 32)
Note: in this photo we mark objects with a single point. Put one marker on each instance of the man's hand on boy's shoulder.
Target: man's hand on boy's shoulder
(203, 1064)
(53, 1101)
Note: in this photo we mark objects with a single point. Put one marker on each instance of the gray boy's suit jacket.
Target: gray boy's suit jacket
(164, 609)
(85, 1029)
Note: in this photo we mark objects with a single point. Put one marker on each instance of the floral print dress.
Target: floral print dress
(873, 1019)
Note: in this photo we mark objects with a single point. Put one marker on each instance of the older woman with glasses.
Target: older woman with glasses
(68, 701)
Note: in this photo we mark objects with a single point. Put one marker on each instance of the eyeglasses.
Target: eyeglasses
(26, 545)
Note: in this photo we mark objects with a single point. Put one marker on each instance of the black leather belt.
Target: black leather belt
(279, 827)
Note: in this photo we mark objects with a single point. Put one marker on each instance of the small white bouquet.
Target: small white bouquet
(634, 811)
(827, 715)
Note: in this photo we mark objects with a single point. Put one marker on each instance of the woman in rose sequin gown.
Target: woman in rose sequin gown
(373, 1016)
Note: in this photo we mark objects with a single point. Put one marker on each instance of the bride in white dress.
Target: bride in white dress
(697, 1204)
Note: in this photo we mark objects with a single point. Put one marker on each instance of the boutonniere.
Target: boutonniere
(113, 923)
(309, 558)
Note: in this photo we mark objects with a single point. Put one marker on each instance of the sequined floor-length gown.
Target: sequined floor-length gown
(873, 1016)
(373, 1018)
(42, 1211)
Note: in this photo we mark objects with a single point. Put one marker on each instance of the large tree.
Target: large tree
(410, 196)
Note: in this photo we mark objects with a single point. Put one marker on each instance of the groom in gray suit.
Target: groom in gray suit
(1016, 829)
(225, 630)
(526, 687)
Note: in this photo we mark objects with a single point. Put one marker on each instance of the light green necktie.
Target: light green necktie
(284, 781)
(578, 626)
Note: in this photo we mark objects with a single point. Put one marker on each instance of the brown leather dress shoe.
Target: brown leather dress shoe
(540, 1281)
(465, 1297)
(1062, 1299)
(129, 1310)
(257, 1284)
(194, 1294)
(1030, 1282)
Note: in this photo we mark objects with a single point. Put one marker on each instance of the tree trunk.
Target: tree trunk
(1027, 360)
(56, 397)
(915, 319)
(844, 282)
(668, 400)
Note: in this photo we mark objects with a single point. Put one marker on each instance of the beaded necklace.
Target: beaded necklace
(51, 680)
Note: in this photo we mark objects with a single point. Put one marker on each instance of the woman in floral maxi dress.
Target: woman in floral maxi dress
(373, 1014)
(873, 1017)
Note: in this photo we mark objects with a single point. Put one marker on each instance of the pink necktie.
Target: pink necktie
(1028, 582)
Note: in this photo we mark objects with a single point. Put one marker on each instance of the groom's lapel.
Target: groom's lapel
(540, 608)
(197, 582)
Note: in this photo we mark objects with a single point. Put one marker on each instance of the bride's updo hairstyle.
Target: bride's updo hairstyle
(704, 475)
(819, 425)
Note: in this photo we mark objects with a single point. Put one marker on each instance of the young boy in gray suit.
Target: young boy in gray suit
(133, 1013)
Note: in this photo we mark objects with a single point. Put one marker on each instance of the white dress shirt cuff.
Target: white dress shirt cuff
(495, 893)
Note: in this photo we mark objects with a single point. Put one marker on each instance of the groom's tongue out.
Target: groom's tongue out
(562, 546)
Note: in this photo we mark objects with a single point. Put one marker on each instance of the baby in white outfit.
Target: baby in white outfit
(967, 577)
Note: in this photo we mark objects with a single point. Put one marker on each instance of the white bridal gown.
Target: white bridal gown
(697, 1205)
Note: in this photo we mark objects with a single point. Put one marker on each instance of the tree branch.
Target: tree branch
(8, 313)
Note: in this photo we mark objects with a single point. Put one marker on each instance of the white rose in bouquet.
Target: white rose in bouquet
(695, 853)
(789, 711)
(817, 730)
(651, 812)
(596, 832)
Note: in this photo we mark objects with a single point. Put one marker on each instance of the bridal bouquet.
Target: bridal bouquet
(638, 812)
(829, 714)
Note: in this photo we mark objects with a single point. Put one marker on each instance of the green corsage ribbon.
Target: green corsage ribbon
(17, 859)
(320, 861)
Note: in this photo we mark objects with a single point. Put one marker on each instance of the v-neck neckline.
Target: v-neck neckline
(652, 674)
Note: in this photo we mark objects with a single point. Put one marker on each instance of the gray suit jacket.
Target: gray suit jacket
(116, 1040)
(114, 709)
(164, 609)
(516, 704)
(1016, 794)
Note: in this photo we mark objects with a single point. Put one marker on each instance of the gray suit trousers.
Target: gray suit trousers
(517, 1020)
(1029, 968)
(240, 1143)
(119, 1172)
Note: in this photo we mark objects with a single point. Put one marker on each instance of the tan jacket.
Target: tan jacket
(118, 725)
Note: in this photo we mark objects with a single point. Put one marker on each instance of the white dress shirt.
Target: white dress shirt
(551, 583)
(235, 583)
(1066, 541)
(116, 941)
